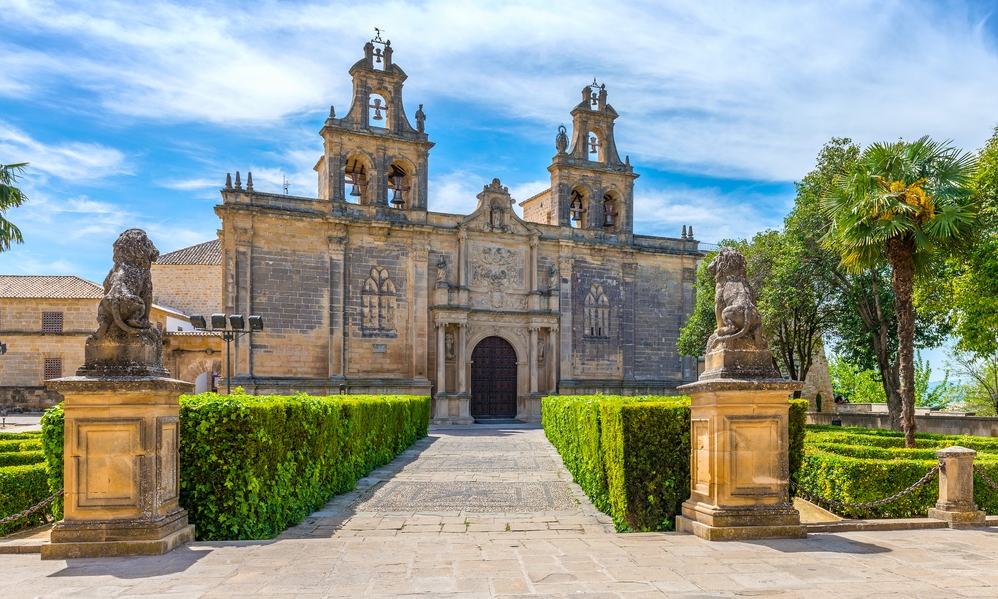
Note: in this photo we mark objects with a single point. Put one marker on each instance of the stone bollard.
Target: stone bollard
(956, 489)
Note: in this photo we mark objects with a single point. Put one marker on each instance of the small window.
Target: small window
(51, 322)
(53, 367)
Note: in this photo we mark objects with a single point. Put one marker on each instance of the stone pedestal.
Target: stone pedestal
(121, 468)
(739, 469)
(956, 489)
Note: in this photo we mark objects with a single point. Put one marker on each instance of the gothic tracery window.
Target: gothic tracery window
(378, 305)
(597, 312)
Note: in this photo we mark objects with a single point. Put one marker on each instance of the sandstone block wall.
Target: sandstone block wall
(22, 369)
(190, 288)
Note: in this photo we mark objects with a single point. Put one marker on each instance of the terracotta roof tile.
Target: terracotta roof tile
(209, 252)
(45, 287)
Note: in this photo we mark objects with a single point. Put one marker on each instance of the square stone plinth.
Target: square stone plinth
(739, 470)
(122, 468)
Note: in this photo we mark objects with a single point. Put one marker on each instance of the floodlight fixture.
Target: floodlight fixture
(238, 322)
(256, 323)
(198, 322)
(218, 321)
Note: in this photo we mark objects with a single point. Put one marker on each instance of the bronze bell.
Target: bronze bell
(355, 190)
(397, 200)
(608, 219)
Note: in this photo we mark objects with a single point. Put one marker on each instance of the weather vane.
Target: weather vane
(377, 36)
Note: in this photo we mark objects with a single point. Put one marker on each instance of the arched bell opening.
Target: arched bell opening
(356, 179)
(378, 114)
(612, 209)
(578, 207)
(595, 146)
(400, 185)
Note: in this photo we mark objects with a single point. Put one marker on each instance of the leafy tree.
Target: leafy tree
(855, 384)
(10, 197)
(980, 375)
(896, 204)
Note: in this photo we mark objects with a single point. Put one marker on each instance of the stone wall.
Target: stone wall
(819, 381)
(190, 288)
(22, 369)
(935, 423)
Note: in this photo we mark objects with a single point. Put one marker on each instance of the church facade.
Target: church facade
(364, 290)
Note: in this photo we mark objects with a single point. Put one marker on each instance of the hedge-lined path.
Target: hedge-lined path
(336, 557)
(464, 479)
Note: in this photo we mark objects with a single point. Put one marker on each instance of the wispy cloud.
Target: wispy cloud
(67, 160)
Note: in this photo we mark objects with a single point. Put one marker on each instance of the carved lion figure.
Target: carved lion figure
(734, 303)
(124, 311)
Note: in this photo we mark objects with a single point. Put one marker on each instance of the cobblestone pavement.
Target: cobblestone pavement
(367, 544)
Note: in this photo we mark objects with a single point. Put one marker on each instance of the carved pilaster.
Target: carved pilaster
(337, 286)
(533, 358)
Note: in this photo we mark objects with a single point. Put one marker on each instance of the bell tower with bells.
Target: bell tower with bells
(591, 188)
(373, 155)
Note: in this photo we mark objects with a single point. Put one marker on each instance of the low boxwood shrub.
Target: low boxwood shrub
(21, 458)
(253, 466)
(13, 445)
(631, 455)
(25, 435)
(20, 488)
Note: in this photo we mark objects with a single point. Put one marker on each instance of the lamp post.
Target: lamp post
(237, 328)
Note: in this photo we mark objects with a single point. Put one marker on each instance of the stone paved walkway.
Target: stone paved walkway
(450, 519)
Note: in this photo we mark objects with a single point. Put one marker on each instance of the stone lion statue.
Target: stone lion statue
(124, 311)
(738, 320)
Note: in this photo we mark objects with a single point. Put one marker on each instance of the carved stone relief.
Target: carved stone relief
(378, 305)
(497, 271)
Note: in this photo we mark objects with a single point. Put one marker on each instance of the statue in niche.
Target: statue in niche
(540, 349)
(497, 217)
(420, 119)
(553, 283)
(442, 271)
(449, 345)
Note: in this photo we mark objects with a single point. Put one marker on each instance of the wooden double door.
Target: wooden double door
(493, 379)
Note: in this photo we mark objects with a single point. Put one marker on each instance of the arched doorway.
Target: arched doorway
(493, 379)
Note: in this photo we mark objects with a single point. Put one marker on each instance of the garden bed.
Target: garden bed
(23, 477)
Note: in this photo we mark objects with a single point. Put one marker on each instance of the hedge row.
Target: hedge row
(21, 458)
(857, 465)
(251, 466)
(15, 445)
(53, 438)
(20, 488)
(631, 455)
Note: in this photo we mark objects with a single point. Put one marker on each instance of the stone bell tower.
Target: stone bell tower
(373, 155)
(590, 187)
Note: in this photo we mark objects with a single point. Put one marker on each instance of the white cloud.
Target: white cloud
(714, 215)
(454, 193)
(68, 160)
(724, 88)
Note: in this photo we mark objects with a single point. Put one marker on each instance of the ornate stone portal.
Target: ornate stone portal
(739, 470)
(122, 470)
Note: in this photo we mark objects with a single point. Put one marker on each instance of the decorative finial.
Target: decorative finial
(228, 180)
(249, 181)
(691, 232)
(332, 112)
(684, 232)
(627, 160)
(239, 184)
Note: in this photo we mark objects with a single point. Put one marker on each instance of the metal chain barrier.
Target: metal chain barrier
(986, 478)
(31, 510)
(921, 482)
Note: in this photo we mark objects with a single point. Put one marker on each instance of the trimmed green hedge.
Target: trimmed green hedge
(20, 436)
(253, 466)
(858, 465)
(631, 455)
(53, 438)
(21, 458)
(20, 488)
(14, 445)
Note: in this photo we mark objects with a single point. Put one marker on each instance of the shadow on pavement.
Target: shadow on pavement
(178, 560)
(821, 543)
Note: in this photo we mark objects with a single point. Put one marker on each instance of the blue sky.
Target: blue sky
(131, 113)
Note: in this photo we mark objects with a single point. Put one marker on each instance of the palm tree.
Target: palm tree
(10, 197)
(898, 203)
